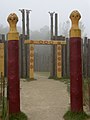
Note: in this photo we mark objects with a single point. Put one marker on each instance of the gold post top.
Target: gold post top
(12, 20)
(75, 17)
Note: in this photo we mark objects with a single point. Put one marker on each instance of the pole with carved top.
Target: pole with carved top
(13, 65)
(75, 64)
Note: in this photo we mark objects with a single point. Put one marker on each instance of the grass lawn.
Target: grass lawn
(76, 116)
(18, 116)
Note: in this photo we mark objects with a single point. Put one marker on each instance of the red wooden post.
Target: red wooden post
(13, 65)
(75, 64)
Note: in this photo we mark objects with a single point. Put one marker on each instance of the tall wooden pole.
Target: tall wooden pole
(51, 16)
(52, 74)
(85, 58)
(56, 25)
(88, 59)
(75, 64)
(88, 70)
(2, 70)
(27, 47)
(27, 24)
(13, 65)
(23, 47)
(55, 47)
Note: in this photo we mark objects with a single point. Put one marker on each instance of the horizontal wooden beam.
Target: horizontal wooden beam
(45, 42)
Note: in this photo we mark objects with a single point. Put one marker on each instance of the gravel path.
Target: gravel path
(44, 99)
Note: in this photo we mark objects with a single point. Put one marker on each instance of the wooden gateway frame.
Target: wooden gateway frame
(1, 59)
(58, 55)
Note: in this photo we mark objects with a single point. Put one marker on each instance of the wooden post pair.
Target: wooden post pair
(75, 65)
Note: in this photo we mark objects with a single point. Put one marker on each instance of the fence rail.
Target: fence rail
(42, 63)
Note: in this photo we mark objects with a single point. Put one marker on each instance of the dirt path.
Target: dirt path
(44, 99)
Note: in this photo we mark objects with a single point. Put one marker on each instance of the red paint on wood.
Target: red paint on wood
(13, 76)
(76, 75)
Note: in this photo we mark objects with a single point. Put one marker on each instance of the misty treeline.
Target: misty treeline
(43, 52)
(44, 32)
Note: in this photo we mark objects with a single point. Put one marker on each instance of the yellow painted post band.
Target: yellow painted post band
(45, 42)
(59, 61)
(31, 75)
(1, 59)
(13, 36)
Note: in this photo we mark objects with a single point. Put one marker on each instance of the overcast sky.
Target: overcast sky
(40, 8)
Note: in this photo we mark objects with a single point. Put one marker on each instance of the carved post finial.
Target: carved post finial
(75, 17)
(12, 20)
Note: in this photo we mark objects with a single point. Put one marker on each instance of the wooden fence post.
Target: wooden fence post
(13, 65)
(88, 59)
(68, 57)
(76, 96)
(85, 57)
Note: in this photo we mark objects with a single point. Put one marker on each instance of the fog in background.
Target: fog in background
(40, 22)
(39, 16)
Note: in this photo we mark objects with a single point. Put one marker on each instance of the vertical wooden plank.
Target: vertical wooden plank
(1, 59)
(68, 57)
(31, 75)
(51, 56)
(59, 61)
(85, 58)
(64, 60)
(21, 55)
(5, 56)
(88, 59)
(23, 46)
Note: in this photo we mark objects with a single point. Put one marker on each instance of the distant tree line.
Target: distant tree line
(43, 52)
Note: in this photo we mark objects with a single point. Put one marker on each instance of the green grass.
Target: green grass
(75, 116)
(65, 80)
(18, 116)
(86, 87)
(50, 77)
(4, 108)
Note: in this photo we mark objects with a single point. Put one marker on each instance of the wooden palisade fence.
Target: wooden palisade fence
(45, 61)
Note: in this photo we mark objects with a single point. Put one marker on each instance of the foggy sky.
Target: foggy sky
(40, 8)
